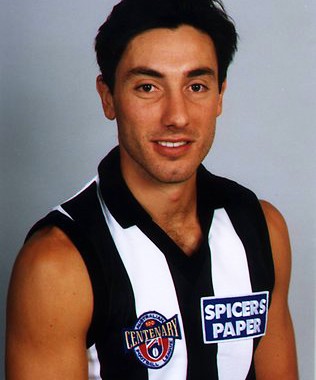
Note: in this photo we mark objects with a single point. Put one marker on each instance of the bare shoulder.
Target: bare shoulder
(49, 248)
(280, 241)
(274, 218)
(49, 264)
(49, 259)
(49, 307)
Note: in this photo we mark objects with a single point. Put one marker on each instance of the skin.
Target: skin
(165, 101)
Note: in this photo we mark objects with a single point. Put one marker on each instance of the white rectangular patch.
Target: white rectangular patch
(234, 318)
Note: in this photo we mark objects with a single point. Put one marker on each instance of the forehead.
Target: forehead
(163, 48)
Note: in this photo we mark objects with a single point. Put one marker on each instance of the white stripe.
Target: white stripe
(93, 364)
(61, 210)
(230, 275)
(153, 288)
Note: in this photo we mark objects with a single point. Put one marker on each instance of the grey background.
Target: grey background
(53, 132)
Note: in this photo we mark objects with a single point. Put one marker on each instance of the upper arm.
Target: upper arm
(49, 311)
(276, 354)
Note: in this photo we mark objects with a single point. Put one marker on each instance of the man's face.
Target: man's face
(166, 100)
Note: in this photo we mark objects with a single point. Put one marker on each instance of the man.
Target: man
(169, 271)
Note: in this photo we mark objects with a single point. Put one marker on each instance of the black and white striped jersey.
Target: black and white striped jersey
(159, 314)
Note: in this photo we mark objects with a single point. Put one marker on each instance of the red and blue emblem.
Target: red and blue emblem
(153, 339)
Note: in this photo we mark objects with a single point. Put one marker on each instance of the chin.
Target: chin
(175, 177)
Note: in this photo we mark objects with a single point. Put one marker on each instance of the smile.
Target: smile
(170, 144)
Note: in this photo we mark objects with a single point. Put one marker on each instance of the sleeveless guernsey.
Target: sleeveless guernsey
(159, 314)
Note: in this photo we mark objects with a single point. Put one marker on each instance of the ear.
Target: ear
(221, 96)
(106, 98)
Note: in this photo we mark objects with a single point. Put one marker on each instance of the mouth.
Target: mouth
(173, 149)
(170, 144)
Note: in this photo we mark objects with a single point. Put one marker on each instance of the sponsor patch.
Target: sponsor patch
(234, 318)
(153, 339)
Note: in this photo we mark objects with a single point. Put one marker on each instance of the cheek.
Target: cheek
(207, 118)
(139, 124)
(132, 126)
(130, 113)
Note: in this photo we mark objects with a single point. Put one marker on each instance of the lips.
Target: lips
(173, 149)
(170, 144)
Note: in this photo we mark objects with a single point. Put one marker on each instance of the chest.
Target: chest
(164, 287)
(187, 236)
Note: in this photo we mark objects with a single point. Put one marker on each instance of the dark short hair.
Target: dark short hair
(130, 18)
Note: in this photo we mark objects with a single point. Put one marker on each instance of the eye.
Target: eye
(146, 87)
(198, 87)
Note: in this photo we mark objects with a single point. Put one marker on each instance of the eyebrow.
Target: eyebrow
(137, 71)
(201, 72)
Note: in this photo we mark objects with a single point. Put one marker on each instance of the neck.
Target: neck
(172, 206)
(164, 200)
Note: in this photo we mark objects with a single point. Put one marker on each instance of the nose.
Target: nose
(175, 110)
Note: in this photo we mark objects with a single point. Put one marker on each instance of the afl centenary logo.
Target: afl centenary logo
(153, 339)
